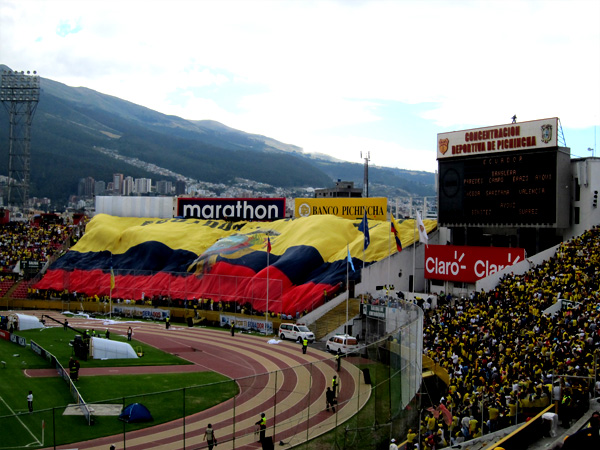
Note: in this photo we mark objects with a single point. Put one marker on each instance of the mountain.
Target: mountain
(77, 132)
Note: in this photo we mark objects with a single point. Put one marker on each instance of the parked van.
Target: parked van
(296, 332)
(343, 344)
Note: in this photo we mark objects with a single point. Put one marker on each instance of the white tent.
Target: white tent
(24, 322)
(107, 349)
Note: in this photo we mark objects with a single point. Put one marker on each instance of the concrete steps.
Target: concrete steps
(335, 318)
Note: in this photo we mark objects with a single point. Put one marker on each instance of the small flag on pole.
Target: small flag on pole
(268, 245)
(446, 413)
(364, 227)
(112, 279)
(350, 259)
(422, 231)
(394, 229)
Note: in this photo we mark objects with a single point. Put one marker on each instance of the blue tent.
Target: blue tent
(136, 412)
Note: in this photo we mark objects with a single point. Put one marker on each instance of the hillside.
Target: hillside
(71, 124)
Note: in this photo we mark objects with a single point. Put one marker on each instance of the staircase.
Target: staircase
(335, 318)
(18, 290)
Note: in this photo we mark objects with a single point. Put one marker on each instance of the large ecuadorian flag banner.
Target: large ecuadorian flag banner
(185, 259)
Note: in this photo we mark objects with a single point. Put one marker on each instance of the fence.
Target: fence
(376, 401)
(66, 377)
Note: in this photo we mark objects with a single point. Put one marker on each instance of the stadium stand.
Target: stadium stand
(23, 242)
(507, 358)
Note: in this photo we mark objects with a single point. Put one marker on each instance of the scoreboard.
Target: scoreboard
(509, 188)
(512, 175)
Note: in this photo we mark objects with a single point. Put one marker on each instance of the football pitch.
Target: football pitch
(48, 424)
(16, 424)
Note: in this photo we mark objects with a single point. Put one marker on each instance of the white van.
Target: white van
(343, 344)
(295, 332)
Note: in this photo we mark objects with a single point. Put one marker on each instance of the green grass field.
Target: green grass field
(167, 396)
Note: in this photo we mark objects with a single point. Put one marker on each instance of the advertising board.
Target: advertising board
(144, 313)
(247, 324)
(468, 263)
(375, 311)
(348, 208)
(530, 135)
(258, 209)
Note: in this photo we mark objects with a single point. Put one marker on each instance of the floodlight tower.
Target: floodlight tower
(20, 94)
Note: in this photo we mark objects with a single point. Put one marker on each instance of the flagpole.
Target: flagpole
(364, 227)
(347, 288)
(389, 254)
(414, 251)
(112, 283)
(267, 311)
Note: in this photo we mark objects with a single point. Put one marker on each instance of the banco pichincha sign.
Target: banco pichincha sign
(348, 208)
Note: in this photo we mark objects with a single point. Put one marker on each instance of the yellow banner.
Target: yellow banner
(348, 208)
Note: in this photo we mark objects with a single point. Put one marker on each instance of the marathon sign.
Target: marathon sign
(348, 208)
(515, 136)
(233, 209)
(468, 264)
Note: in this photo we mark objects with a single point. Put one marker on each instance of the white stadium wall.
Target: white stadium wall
(155, 207)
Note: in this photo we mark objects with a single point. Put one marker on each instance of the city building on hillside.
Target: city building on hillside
(117, 183)
(164, 187)
(99, 188)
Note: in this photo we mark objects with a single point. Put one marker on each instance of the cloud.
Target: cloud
(306, 72)
(66, 27)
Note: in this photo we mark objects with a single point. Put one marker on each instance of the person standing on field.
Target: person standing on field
(30, 401)
(209, 437)
(262, 427)
(334, 385)
(330, 399)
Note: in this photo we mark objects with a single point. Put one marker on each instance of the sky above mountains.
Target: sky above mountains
(333, 77)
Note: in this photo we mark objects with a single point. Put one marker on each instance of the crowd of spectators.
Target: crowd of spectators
(25, 241)
(507, 358)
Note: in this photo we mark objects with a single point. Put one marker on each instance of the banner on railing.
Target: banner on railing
(375, 311)
(144, 313)
(247, 324)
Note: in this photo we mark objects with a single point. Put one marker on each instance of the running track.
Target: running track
(275, 379)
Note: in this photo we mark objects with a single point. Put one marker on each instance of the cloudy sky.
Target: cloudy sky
(334, 77)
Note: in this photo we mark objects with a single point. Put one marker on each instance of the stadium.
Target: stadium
(477, 329)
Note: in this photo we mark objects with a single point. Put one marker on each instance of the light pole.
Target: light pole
(366, 174)
(20, 94)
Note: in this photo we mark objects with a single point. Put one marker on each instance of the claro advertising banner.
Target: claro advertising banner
(259, 209)
(348, 208)
(468, 264)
